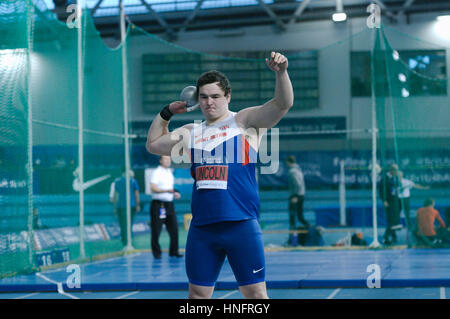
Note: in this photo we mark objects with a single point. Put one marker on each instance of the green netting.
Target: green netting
(413, 109)
(41, 78)
(14, 57)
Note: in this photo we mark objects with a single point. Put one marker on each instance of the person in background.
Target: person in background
(296, 182)
(357, 239)
(119, 199)
(162, 209)
(447, 215)
(36, 220)
(405, 193)
(425, 219)
(388, 190)
(446, 232)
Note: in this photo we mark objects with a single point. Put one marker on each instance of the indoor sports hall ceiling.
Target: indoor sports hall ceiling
(170, 18)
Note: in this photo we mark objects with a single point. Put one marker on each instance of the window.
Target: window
(419, 72)
(252, 83)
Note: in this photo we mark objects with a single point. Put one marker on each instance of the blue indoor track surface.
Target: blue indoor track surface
(322, 274)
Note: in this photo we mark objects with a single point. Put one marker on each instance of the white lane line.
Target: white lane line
(334, 293)
(442, 293)
(26, 296)
(127, 295)
(229, 294)
(58, 285)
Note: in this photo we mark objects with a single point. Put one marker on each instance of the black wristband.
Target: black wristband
(165, 113)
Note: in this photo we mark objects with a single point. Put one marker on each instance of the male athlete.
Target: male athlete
(225, 201)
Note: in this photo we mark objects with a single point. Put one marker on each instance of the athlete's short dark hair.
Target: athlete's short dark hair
(213, 77)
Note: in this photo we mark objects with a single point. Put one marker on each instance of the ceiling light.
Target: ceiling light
(444, 18)
(339, 16)
(441, 27)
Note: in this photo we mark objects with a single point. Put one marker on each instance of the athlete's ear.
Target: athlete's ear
(228, 96)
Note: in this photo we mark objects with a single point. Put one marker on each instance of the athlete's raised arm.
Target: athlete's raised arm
(271, 112)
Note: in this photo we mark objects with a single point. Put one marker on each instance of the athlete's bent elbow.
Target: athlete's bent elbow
(155, 149)
(285, 105)
(149, 147)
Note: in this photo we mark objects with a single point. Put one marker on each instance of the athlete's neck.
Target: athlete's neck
(221, 118)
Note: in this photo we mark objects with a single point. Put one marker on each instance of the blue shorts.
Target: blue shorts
(240, 241)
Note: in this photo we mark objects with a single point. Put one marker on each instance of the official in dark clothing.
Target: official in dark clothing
(296, 182)
(388, 189)
(296, 192)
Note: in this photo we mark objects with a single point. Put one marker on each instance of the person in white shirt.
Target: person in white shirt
(162, 210)
(404, 194)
